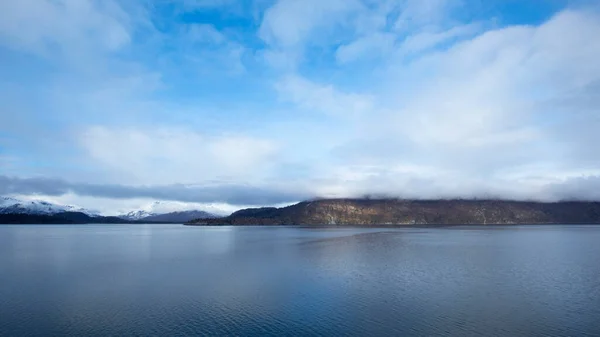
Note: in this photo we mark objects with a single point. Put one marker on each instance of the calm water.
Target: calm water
(175, 280)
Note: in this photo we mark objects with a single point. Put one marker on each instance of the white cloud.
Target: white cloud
(474, 116)
(491, 84)
(205, 48)
(171, 156)
(323, 98)
(419, 13)
(372, 46)
(290, 23)
(478, 108)
(422, 28)
(429, 39)
(240, 154)
(68, 26)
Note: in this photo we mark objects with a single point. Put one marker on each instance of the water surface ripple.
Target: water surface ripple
(140, 280)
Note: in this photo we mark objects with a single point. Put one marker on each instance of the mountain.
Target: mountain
(166, 211)
(57, 218)
(183, 216)
(16, 211)
(180, 216)
(13, 210)
(10, 205)
(137, 215)
(414, 212)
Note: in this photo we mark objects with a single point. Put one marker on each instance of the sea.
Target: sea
(175, 280)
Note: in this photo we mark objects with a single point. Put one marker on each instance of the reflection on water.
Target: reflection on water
(176, 280)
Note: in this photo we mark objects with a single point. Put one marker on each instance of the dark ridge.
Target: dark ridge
(59, 218)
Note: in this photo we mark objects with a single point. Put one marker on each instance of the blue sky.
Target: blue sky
(113, 104)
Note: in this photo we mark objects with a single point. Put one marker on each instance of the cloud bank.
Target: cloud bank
(228, 194)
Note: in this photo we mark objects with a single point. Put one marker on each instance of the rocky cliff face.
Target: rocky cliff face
(414, 212)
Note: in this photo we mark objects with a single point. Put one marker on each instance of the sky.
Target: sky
(113, 104)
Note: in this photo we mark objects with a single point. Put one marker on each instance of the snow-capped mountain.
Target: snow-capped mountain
(137, 215)
(159, 211)
(167, 211)
(183, 216)
(9, 205)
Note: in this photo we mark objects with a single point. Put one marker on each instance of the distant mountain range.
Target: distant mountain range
(17, 211)
(182, 216)
(337, 212)
(14, 211)
(162, 212)
(341, 212)
(10, 205)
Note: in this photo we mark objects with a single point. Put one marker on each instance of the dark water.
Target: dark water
(173, 280)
